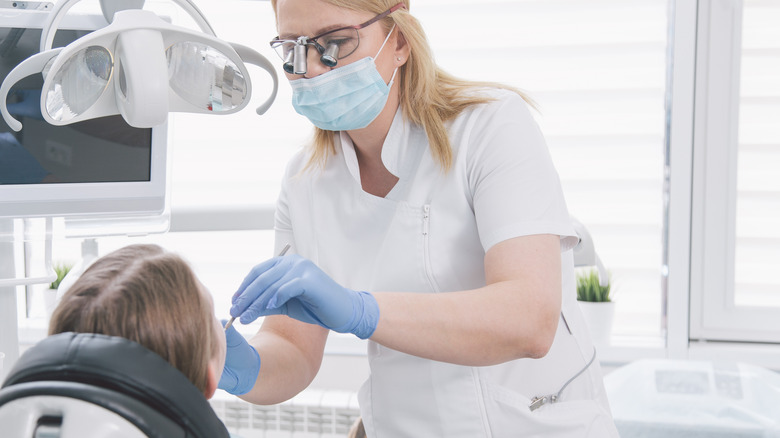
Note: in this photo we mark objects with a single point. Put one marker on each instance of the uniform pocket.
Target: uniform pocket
(509, 415)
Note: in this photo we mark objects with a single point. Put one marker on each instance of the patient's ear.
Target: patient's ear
(212, 380)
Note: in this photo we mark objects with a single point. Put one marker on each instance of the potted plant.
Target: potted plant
(41, 299)
(50, 296)
(595, 299)
(61, 269)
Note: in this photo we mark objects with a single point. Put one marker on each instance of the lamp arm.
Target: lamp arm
(61, 8)
(111, 7)
(53, 22)
(196, 15)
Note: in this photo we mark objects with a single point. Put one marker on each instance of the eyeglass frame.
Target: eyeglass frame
(305, 41)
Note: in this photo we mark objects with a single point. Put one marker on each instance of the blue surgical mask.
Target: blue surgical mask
(346, 98)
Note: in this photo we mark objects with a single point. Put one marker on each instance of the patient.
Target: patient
(152, 297)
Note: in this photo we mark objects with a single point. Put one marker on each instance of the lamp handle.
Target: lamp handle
(34, 64)
(251, 56)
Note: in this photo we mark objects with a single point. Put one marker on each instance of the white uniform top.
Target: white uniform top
(430, 235)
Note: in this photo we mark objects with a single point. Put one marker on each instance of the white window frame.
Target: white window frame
(714, 314)
(679, 155)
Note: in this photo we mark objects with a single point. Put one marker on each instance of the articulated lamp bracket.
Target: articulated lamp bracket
(110, 8)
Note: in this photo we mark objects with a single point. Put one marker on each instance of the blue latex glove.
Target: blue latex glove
(296, 287)
(242, 364)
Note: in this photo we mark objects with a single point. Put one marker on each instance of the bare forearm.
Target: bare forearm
(514, 316)
(486, 326)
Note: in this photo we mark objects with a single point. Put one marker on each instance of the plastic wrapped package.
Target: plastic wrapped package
(691, 399)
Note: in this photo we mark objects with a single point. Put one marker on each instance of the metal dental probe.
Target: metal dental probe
(233, 318)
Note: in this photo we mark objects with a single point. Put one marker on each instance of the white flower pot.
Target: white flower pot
(42, 303)
(599, 317)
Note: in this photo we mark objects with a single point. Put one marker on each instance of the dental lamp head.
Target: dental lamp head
(141, 67)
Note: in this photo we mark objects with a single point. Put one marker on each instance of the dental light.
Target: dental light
(138, 66)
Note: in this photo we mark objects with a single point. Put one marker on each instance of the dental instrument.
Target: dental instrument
(233, 318)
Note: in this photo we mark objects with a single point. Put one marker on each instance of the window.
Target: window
(736, 186)
(660, 117)
(595, 68)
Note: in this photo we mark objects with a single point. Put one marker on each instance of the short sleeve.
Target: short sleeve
(283, 228)
(515, 186)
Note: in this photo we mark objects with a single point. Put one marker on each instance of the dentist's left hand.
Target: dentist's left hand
(242, 364)
(294, 286)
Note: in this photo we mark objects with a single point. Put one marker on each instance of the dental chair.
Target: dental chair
(89, 385)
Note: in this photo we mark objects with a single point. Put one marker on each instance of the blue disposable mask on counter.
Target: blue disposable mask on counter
(346, 98)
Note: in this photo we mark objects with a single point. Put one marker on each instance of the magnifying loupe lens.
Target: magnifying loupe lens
(205, 77)
(288, 62)
(299, 62)
(79, 83)
(331, 55)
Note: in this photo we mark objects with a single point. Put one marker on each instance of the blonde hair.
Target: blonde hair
(429, 96)
(149, 296)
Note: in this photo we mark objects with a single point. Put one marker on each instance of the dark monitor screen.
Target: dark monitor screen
(99, 150)
(98, 166)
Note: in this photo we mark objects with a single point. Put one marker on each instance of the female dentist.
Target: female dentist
(426, 217)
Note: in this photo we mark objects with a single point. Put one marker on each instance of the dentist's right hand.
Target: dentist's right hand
(294, 286)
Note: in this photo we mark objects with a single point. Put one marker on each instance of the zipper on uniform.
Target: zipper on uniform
(426, 249)
(426, 222)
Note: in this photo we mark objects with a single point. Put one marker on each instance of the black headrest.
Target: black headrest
(124, 366)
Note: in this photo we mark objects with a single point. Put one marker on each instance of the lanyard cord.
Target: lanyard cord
(578, 374)
(537, 402)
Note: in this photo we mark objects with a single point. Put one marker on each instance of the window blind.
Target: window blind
(597, 71)
(596, 68)
(758, 182)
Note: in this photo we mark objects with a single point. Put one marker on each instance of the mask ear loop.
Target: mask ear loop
(392, 78)
(385, 41)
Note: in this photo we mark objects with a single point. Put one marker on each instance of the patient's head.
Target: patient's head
(152, 297)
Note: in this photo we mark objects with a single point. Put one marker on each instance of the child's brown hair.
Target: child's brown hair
(149, 296)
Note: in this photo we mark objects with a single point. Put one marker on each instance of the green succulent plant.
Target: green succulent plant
(589, 289)
(61, 269)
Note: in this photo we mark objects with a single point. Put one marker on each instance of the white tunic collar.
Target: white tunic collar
(396, 154)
